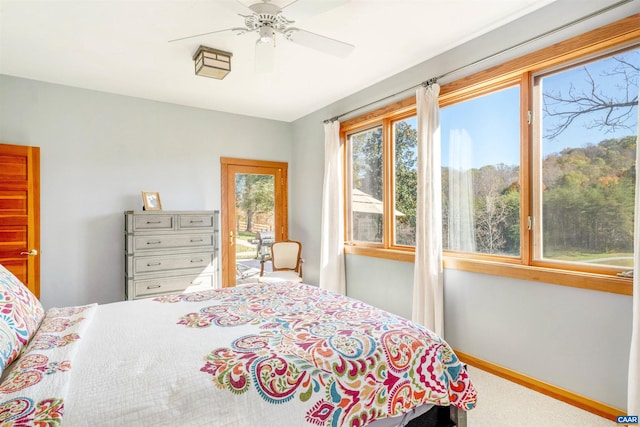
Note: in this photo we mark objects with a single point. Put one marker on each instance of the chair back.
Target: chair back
(285, 255)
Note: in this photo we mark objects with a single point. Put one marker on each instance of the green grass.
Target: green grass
(246, 235)
(245, 249)
(620, 259)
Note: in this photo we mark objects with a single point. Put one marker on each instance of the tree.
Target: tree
(588, 204)
(254, 195)
(608, 110)
(366, 153)
(406, 181)
(494, 206)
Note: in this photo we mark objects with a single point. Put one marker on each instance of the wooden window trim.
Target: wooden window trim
(516, 71)
(547, 275)
(620, 32)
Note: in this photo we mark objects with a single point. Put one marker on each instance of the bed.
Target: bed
(263, 354)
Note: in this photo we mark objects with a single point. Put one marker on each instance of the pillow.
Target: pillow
(9, 331)
(20, 316)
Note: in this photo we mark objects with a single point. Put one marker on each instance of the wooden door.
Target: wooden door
(232, 170)
(20, 213)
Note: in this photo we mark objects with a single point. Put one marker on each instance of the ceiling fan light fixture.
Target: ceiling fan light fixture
(266, 34)
(212, 63)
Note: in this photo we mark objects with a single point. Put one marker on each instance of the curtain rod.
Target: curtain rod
(433, 80)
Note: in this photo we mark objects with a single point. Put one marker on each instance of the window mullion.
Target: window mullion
(346, 186)
(388, 181)
(536, 174)
(526, 179)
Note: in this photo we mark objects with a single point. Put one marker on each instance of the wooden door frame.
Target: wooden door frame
(230, 165)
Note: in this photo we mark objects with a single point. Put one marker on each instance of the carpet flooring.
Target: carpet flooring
(502, 403)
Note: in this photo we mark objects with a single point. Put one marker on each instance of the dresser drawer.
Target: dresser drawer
(169, 285)
(152, 222)
(152, 264)
(170, 241)
(195, 221)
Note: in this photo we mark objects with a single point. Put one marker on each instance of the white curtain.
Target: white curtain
(633, 394)
(428, 299)
(462, 236)
(332, 272)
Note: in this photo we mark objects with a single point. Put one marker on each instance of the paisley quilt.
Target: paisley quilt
(263, 354)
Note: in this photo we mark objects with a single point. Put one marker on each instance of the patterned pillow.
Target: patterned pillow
(20, 316)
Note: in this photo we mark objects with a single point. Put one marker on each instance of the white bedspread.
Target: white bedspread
(209, 359)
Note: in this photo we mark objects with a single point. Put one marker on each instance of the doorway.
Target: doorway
(254, 214)
(20, 213)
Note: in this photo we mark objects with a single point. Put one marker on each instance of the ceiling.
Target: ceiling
(123, 47)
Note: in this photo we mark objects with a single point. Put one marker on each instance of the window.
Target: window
(481, 174)
(366, 207)
(585, 145)
(538, 166)
(381, 205)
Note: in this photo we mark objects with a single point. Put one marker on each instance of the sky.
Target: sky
(492, 124)
(492, 121)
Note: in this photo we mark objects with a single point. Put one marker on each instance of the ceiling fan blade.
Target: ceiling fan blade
(300, 9)
(318, 42)
(235, 6)
(264, 57)
(237, 30)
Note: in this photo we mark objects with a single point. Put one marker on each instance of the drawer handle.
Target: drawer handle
(197, 260)
(153, 286)
(196, 240)
(153, 264)
(154, 222)
(193, 221)
(194, 283)
(155, 242)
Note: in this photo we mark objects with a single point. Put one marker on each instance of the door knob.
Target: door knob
(32, 252)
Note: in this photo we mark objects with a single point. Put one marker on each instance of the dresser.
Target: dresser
(170, 252)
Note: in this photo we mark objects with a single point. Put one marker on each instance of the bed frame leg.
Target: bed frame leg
(458, 416)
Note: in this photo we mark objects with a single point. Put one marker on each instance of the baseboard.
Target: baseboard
(582, 402)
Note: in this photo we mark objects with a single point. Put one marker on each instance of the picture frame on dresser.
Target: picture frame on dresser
(151, 200)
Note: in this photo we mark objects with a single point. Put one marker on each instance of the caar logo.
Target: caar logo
(627, 419)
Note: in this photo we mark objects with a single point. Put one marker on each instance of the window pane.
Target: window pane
(255, 216)
(588, 143)
(366, 186)
(481, 174)
(405, 135)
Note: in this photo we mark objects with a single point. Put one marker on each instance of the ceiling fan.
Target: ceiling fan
(267, 20)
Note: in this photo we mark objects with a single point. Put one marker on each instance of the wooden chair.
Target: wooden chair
(286, 263)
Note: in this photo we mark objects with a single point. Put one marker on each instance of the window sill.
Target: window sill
(595, 282)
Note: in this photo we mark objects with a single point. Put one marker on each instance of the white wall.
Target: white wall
(576, 339)
(573, 338)
(98, 152)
